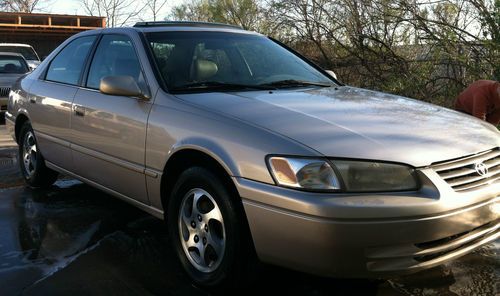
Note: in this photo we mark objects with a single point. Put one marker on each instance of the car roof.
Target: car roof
(185, 24)
(189, 26)
(15, 54)
(171, 26)
(15, 44)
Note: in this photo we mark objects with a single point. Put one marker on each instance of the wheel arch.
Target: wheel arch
(21, 118)
(183, 159)
(187, 157)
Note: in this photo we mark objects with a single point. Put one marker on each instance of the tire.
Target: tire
(31, 162)
(226, 263)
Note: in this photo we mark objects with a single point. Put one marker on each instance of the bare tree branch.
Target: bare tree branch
(28, 6)
(118, 13)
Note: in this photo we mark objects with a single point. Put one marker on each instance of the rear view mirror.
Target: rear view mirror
(331, 73)
(121, 86)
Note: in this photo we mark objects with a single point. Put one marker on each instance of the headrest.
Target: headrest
(10, 68)
(204, 69)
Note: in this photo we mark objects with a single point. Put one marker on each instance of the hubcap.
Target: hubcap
(29, 154)
(201, 230)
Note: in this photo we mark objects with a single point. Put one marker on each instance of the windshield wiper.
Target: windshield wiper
(294, 83)
(220, 85)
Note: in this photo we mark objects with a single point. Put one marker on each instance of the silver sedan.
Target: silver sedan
(251, 152)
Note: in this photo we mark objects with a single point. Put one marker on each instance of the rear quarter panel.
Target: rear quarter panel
(19, 97)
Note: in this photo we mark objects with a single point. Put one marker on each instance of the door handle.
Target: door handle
(33, 100)
(79, 110)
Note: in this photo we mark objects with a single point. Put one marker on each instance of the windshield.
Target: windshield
(13, 65)
(27, 52)
(201, 60)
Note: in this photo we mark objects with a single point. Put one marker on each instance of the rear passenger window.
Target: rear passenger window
(67, 66)
(115, 56)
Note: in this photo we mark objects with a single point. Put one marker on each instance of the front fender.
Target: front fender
(211, 148)
(239, 147)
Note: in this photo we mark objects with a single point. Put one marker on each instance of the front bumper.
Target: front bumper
(367, 236)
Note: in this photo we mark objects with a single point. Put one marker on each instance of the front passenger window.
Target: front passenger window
(115, 56)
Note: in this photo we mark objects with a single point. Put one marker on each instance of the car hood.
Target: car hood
(7, 80)
(350, 122)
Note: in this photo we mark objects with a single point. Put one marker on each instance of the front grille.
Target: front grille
(4, 92)
(461, 174)
(416, 256)
(455, 242)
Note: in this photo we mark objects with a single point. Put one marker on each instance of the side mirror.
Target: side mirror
(121, 86)
(331, 73)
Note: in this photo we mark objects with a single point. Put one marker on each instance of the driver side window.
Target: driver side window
(67, 66)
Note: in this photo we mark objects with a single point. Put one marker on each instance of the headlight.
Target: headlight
(313, 174)
(365, 176)
(342, 175)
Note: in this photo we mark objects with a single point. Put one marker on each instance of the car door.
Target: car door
(51, 97)
(109, 132)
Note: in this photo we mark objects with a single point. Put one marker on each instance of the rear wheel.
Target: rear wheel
(207, 230)
(31, 161)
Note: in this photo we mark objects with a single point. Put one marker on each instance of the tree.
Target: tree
(420, 48)
(244, 13)
(28, 6)
(155, 6)
(194, 11)
(117, 12)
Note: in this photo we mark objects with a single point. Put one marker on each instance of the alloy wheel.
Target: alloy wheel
(201, 230)
(29, 154)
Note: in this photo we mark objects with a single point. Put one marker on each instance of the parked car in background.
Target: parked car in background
(245, 147)
(12, 66)
(26, 50)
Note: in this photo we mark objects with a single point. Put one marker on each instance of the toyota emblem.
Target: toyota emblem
(481, 168)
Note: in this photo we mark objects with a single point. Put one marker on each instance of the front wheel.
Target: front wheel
(207, 229)
(31, 161)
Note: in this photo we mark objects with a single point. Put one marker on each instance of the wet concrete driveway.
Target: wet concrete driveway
(76, 240)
